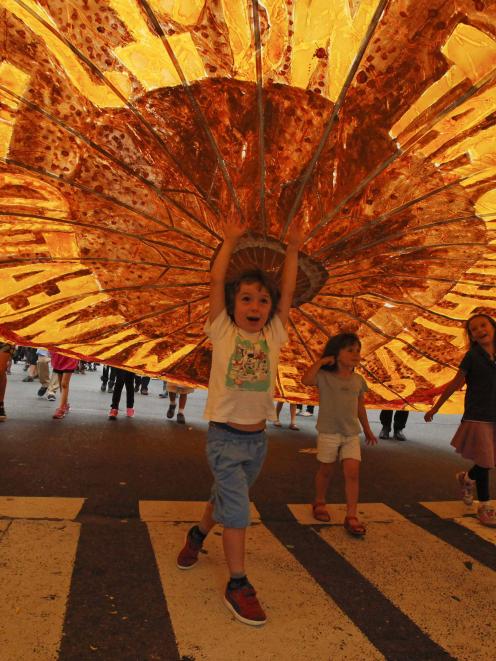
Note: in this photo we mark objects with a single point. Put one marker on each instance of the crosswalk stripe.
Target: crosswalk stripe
(369, 512)
(303, 622)
(179, 510)
(36, 559)
(40, 508)
(464, 516)
(419, 567)
(433, 583)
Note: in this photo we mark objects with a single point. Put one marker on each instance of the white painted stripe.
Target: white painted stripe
(450, 509)
(179, 510)
(36, 560)
(369, 512)
(448, 594)
(304, 623)
(40, 508)
(463, 516)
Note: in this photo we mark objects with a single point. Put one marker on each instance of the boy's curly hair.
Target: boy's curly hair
(334, 346)
(250, 277)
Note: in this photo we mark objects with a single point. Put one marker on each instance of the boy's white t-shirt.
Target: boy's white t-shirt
(243, 372)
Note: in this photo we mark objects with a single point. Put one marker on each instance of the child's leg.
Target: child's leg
(233, 540)
(279, 406)
(292, 413)
(129, 383)
(182, 402)
(64, 380)
(116, 393)
(322, 479)
(481, 477)
(207, 522)
(4, 359)
(351, 470)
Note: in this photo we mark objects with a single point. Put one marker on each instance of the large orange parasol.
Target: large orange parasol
(129, 129)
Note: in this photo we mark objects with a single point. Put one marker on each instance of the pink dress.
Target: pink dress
(62, 363)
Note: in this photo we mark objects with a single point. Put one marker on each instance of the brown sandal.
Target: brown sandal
(354, 526)
(320, 512)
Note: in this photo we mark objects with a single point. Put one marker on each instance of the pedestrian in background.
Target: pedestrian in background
(6, 353)
(398, 420)
(122, 378)
(64, 367)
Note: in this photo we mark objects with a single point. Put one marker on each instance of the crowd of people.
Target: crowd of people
(247, 327)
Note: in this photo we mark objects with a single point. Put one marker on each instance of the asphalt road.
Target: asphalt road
(93, 512)
(150, 457)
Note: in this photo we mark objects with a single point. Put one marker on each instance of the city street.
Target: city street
(93, 512)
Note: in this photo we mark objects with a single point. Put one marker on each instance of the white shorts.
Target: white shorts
(331, 447)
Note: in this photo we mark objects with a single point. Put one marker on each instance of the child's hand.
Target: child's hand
(327, 360)
(234, 229)
(430, 414)
(370, 438)
(297, 234)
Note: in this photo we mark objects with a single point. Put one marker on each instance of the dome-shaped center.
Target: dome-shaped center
(266, 253)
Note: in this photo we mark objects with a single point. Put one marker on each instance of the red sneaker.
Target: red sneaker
(188, 555)
(113, 414)
(244, 605)
(59, 414)
(129, 412)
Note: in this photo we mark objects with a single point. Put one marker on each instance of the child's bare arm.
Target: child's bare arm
(455, 384)
(370, 437)
(290, 270)
(310, 376)
(232, 233)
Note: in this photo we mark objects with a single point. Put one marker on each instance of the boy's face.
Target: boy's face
(252, 304)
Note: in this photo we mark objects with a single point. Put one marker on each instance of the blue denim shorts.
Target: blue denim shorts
(235, 460)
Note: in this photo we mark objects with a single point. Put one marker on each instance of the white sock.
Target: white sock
(180, 411)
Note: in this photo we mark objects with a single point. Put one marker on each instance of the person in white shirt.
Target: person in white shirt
(247, 328)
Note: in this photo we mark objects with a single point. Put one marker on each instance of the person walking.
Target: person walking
(475, 438)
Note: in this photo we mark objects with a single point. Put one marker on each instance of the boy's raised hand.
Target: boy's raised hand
(234, 229)
(297, 234)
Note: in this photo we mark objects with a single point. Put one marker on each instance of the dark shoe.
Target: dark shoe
(163, 395)
(188, 555)
(384, 434)
(181, 419)
(28, 379)
(42, 391)
(51, 397)
(136, 387)
(110, 387)
(244, 605)
(399, 436)
(170, 411)
(103, 387)
(3, 415)
(144, 391)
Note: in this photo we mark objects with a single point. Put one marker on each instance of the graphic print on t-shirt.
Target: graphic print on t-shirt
(249, 367)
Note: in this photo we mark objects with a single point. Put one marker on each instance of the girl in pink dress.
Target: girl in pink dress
(64, 367)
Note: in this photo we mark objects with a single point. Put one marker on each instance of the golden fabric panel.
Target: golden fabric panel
(130, 128)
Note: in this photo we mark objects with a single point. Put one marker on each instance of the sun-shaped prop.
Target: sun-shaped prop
(130, 129)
